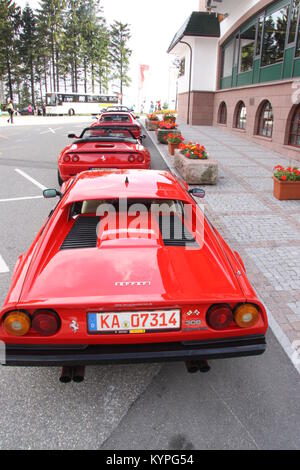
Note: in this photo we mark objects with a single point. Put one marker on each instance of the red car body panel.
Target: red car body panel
(126, 119)
(78, 281)
(102, 155)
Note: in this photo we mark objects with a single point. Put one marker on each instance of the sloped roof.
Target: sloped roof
(199, 23)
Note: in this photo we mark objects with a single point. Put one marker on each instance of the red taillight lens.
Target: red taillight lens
(140, 158)
(75, 159)
(46, 322)
(219, 317)
(67, 158)
(131, 158)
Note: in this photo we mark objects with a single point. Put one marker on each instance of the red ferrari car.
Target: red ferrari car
(120, 119)
(102, 148)
(128, 269)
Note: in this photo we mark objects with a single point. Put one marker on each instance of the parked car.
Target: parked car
(102, 147)
(102, 285)
(120, 119)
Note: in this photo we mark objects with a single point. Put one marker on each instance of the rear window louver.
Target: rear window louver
(83, 234)
(174, 233)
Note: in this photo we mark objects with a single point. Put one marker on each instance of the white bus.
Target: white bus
(78, 103)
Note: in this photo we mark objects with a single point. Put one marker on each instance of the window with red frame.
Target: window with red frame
(265, 124)
(295, 128)
(223, 113)
(241, 116)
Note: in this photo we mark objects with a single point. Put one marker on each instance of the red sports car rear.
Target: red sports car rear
(104, 281)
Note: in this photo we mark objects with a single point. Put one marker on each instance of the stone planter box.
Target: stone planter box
(286, 190)
(151, 125)
(163, 133)
(196, 171)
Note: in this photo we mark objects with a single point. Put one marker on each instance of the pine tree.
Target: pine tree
(28, 48)
(120, 54)
(10, 20)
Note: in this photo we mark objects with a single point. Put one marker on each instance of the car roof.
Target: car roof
(135, 184)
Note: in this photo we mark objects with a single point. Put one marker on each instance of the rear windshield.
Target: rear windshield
(115, 118)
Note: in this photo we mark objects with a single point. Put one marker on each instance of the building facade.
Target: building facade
(240, 70)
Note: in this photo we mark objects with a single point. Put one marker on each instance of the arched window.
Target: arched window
(222, 113)
(294, 138)
(241, 116)
(265, 120)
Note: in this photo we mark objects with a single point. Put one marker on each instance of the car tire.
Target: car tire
(71, 112)
(60, 180)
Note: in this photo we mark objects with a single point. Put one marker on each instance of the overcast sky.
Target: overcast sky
(153, 25)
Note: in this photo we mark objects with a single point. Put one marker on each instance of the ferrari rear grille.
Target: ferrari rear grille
(82, 235)
(174, 233)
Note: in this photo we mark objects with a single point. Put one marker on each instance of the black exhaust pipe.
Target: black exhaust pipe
(66, 375)
(197, 366)
(204, 367)
(78, 374)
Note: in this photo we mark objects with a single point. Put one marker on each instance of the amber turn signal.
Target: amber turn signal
(17, 323)
(246, 315)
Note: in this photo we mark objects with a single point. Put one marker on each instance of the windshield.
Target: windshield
(106, 133)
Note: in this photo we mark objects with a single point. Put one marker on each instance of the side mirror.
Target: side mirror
(197, 192)
(51, 193)
(143, 137)
(73, 136)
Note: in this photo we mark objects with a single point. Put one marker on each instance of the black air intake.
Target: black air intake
(82, 235)
(174, 233)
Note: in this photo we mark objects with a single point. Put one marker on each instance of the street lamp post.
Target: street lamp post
(190, 79)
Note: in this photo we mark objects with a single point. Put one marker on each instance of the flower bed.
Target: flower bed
(163, 131)
(194, 151)
(286, 183)
(169, 117)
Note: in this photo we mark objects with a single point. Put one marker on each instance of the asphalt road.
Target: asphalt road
(250, 403)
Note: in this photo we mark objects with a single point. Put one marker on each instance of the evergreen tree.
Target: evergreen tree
(120, 54)
(10, 20)
(28, 48)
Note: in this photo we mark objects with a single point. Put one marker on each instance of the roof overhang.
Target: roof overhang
(198, 24)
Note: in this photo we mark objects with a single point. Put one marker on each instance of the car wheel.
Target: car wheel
(71, 112)
(60, 180)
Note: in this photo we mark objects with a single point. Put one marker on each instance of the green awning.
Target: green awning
(201, 24)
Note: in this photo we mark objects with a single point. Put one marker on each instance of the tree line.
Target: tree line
(64, 45)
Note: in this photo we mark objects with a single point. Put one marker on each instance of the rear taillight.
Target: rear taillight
(17, 323)
(75, 159)
(219, 317)
(67, 158)
(46, 322)
(131, 158)
(246, 315)
(140, 158)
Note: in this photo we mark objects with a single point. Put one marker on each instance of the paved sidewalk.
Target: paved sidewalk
(265, 231)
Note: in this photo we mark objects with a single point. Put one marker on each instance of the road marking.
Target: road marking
(32, 180)
(13, 199)
(3, 266)
(50, 130)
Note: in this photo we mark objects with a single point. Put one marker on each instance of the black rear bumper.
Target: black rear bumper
(122, 354)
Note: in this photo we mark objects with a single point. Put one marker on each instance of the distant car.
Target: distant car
(104, 147)
(128, 269)
(120, 119)
(25, 112)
